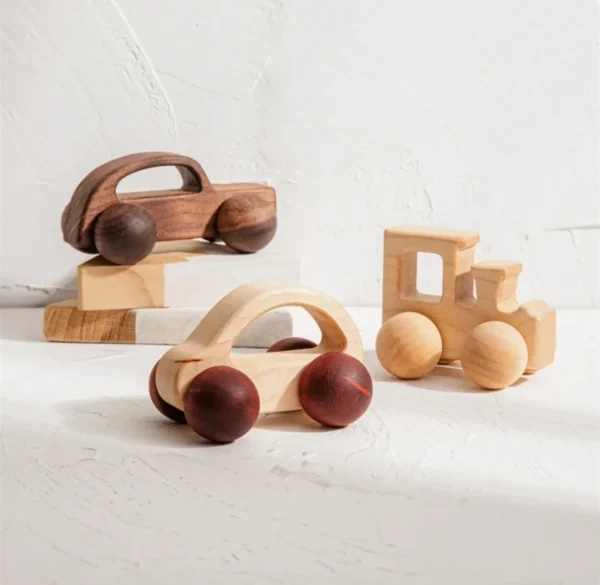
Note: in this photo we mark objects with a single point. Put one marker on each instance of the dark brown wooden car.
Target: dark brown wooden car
(125, 229)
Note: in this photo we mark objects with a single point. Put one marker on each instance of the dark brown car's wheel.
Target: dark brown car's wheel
(124, 233)
(246, 223)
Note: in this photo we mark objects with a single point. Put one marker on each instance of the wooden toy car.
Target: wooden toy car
(496, 339)
(220, 395)
(125, 228)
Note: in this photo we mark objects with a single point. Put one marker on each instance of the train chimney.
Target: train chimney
(496, 283)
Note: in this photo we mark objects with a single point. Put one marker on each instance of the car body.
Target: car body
(179, 214)
(276, 374)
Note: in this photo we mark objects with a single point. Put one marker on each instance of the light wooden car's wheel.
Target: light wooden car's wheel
(163, 407)
(291, 343)
(124, 233)
(335, 389)
(408, 345)
(494, 355)
(221, 404)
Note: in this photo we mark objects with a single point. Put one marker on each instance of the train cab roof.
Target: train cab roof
(427, 238)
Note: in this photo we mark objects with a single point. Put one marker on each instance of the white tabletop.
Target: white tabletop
(436, 484)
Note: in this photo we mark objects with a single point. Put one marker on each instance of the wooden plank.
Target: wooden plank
(64, 322)
(183, 274)
(421, 234)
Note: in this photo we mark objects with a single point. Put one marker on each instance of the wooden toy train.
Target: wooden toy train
(496, 339)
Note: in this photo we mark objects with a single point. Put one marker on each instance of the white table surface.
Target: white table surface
(438, 483)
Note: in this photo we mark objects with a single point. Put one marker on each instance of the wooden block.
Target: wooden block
(457, 311)
(63, 321)
(123, 229)
(182, 274)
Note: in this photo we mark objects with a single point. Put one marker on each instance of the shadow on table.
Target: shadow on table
(297, 421)
(448, 378)
(135, 420)
(130, 419)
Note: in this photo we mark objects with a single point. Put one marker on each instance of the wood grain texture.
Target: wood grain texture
(186, 213)
(494, 355)
(246, 223)
(103, 286)
(275, 374)
(457, 310)
(176, 274)
(64, 322)
(408, 345)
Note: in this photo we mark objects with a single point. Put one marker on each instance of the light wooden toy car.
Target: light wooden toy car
(496, 339)
(124, 229)
(220, 395)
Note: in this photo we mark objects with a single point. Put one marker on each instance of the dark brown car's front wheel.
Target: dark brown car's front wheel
(246, 223)
(124, 233)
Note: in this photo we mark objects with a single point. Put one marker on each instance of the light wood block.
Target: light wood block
(179, 274)
(64, 322)
(457, 311)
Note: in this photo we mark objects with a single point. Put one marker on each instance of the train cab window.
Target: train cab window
(430, 274)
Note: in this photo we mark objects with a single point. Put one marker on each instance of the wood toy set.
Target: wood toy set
(198, 381)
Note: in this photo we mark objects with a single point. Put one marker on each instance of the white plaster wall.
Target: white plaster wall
(363, 114)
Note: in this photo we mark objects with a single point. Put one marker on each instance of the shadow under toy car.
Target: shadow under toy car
(125, 228)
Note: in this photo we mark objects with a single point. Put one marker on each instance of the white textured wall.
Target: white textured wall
(363, 114)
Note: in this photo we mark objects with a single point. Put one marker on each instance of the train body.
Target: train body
(472, 293)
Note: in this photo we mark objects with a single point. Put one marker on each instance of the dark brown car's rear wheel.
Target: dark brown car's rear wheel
(124, 233)
(246, 223)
